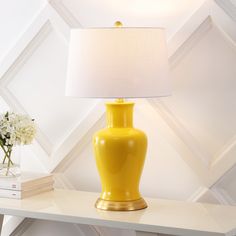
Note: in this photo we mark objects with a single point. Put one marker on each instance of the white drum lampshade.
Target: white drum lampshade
(118, 63)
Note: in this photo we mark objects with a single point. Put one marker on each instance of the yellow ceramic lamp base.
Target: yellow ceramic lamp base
(120, 152)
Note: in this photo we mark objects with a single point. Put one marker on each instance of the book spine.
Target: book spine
(5, 193)
(10, 186)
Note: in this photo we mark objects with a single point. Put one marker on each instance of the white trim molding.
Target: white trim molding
(56, 159)
(229, 7)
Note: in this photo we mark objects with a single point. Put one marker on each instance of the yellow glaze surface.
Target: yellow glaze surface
(120, 152)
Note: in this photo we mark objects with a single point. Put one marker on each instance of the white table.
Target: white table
(162, 216)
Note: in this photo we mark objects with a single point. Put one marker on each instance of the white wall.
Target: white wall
(191, 153)
(15, 18)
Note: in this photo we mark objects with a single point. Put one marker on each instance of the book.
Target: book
(27, 181)
(16, 194)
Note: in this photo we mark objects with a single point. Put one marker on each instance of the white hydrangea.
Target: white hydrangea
(16, 129)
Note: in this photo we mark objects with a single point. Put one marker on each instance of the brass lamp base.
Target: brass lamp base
(121, 206)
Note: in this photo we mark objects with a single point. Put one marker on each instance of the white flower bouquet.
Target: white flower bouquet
(15, 129)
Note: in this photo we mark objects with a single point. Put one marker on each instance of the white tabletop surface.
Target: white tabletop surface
(162, 216)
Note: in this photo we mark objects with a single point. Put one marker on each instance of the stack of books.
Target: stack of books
(26, 185)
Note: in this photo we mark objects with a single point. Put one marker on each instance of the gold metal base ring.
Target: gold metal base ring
(121, 206)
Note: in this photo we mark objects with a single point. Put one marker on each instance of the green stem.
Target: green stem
(4, 159)
(7, 154)
(2, 146)
(8, 166)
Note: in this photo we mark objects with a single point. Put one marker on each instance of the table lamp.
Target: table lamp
(118, 63)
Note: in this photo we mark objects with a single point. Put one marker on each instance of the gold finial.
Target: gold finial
(120, 100)
(118, 24)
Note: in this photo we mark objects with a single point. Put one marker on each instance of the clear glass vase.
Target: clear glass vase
(10, 161)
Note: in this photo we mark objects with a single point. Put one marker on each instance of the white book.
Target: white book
(14, 194)
(26, 181)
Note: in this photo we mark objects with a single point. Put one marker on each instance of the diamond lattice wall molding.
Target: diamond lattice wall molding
(197, 132)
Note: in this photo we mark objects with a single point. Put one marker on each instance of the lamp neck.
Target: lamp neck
(119, 114)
